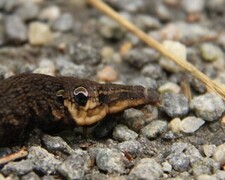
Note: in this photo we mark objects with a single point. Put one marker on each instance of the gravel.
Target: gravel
(180, 138)
(209, 106)
(146, 169)
(175, 105)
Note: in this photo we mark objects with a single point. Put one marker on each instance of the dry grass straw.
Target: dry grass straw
(211, 85)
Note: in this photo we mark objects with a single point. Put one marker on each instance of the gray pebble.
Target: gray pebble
(175, 104)
(28, 11)
(138, 58)
(76, 165)
(134, 119)
(166, 167)
(15, 29)
(84, 54)
(110, 29)
(153, 129)
(180, 162)
(128, 5)
(152, 70)
(68, 68)
(144, 81)
(193, 6)
(206, 177)
(209, 106)
(133, 147)
(191, 124)
(30, 176)
(210, 52)
(110, 160)
(56, 144)
(19, 168)
(123, 133)
(44, 161)
(63, 23)
(146, 169)
(9, 5)
(220, 175)
(146, 22)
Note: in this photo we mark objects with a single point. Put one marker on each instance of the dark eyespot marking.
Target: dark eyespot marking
(59, 96)
(81, 96)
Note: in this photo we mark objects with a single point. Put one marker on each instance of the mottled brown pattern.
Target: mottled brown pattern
(35, 99)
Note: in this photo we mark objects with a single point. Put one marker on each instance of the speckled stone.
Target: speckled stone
(18, 168)
(123, 133)
(43, 161)
(76, 165)
(208, 149)
(110, 160)
(175, 105)
(209, 106)
(133, 147)
(31, 176)
(56, 144)
(146, 169)
(155, 128)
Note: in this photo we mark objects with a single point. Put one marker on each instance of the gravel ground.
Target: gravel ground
(183, 139)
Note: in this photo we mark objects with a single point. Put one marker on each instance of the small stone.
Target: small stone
(180, 162)
(220, 175)
(209, 106)
(134, 119)
(43, 161)
(110, 29)
(50, 13)
(15, 29)
(107, 74)
(28, 11)
(19, 168)
(219, 154)
(166, 167)
(76, 165)
(210, 52)
(84, 54)
(139, 57)
(191, 124)
(56, 144)
(144, 81)
(107, 52)
(174, 124)
(153, 71)
(175, 105)
(193, 7)
(146, 169)
(169, 87)
(39, 34)
(63, 23)
(206, 177)
(46, 66)
(123, 133)
(179, 50)
(153, 129)
(133, 147)
(31, 176)
(110, 160)
(208, 149)
(146, 22)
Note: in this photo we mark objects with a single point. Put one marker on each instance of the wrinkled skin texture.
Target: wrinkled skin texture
(35, 99)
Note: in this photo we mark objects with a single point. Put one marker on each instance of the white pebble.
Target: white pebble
(191, 124)
(39, 34)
